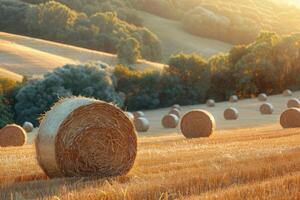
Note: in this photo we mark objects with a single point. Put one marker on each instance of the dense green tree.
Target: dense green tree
(129, 51)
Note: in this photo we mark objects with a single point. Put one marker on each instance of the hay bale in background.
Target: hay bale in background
(176, 112)
(262, 97)
(86, 137)
(170, 121)
(176, 106)
(12, 135)
(287, 93)
(28, 127)
(197, 123)
(138, 114)
(290, 118)
(233, 99)
(231, 114)
(130, 116)
(266, 109)
(293, 103)
(210, 103)
(142, 124)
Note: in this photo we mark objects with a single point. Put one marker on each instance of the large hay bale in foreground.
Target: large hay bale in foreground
(138, 114)
(266, 109)
(142, 124)
(290, 118)
(287, 93)
(231, 114)
(12, 135)
(197, 123)
(170, 121)
(262, 97)
(233, 99)
(28, 127)
(293, 103)
(210, 103)
(176, 112)
(86, 137)
(176, 106)
(130, 116)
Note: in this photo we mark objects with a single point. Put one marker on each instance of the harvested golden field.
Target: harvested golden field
(29, 56)
(258, 163)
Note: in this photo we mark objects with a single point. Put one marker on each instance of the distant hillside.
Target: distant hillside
(175, 40)
(29, 56)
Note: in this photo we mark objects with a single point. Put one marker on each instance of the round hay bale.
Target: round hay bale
(170, 121)
(293, 103)
(176, 112)
(12, 135)
(210, 103)
(141, 124)
(233, 99)
(290, 118)
(130, 116)
(86, 137)
(28, 127)
(231, 114)
(138, 114)
(266, 109)
(176, 106)
(287, 93)
(197, 123)
(262, 97)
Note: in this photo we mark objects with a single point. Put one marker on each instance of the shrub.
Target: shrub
(129, 51)
(90, 80)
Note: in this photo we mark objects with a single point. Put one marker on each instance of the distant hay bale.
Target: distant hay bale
(138, 114)
(293, 103)
(262, 97)
(231, 114)
(266, 109)
(12, 135)
(233, 99)
(141, 124)
(170, 121)
(287, 93)
(86, 137)
(210, 103)
(28, 127)
(290, 118)
(130, 116)
(176, 112)
(197, 123)
(176, 106)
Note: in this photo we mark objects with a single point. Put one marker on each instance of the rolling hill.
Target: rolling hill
(20, 55)
(175, 39)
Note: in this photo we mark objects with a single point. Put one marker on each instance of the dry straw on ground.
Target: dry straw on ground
(266, 109)
(12, 135)
(138, 114)
(293, 103)
(290, 118)
(210, 103)
(170, 121)
(142, 124)
(86, 137)
(197, 123)
(28, 127)
(233, 99)
(231, 114)
(175, 111)
(262, 97)
(287, 93)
